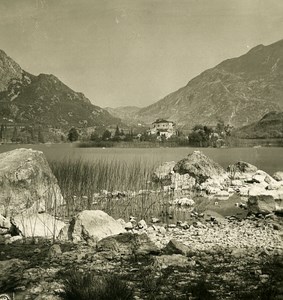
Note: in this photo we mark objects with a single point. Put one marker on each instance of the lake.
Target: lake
(269, 159)
(143, 206)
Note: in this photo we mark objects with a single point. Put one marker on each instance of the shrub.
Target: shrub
(200, 290)
(90, 286)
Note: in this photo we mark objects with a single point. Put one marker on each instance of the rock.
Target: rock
(155, 220)
(183, 202)
(16, 238)
(163, 173)
(278, 176)
(175, 260)
(54, 251)
(176, 247)
(37, 225)
(27, 183)
(200, 167)
(241, 170)
(4, 223)
(94, 225)
(182, 181)
(264, 204)
(64, 233)
(128, 244)
(129, 226)
(142, 224)
(236, 182)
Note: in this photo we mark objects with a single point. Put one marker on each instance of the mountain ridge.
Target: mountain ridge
(45, 100)
(238, 91)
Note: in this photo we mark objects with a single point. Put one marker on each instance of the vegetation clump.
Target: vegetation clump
(89, 286)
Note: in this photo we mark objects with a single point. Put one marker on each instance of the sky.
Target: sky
(133, 52)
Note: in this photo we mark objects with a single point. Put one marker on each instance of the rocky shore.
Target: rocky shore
(222, 256)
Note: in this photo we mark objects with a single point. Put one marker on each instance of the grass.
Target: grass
(89, 286)
(86, 185)
(84, 178)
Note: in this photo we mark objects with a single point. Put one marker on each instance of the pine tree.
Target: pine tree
(73, 135)
(40, 137)
(117, 131)
(15, 135)
(1, 131)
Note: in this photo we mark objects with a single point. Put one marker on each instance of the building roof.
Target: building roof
(161, 121)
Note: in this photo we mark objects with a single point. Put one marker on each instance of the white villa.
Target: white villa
(163, 127)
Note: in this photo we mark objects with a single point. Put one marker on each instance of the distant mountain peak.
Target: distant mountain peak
(9, 70)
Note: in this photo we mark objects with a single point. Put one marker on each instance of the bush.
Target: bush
(92, 287)
(200, 291)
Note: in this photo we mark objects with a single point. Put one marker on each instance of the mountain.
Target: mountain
(238, 91)
(45, 100)
(270, 126)
(125, 113)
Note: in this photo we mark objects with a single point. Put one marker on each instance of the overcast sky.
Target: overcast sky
(133, 52)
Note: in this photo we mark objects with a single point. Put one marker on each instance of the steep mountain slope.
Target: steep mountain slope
(44, 99)
(238, 91)
(270, 126)
(8, 70)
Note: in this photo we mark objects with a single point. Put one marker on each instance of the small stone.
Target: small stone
(54, 251)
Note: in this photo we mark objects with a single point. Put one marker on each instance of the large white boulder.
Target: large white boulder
(200, 167)
(93, 225)
(37, 225)
(278, 176)
(265, 201)
(27, 183)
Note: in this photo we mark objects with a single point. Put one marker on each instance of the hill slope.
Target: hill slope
(44, 99)
(125, 113)
(238, 91)
(270, 126)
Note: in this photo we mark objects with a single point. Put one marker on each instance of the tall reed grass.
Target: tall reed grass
(82, 184)
(83, 178)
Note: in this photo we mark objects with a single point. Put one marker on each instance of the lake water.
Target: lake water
(269, 159)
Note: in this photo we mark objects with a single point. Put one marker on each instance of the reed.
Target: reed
(87, 185)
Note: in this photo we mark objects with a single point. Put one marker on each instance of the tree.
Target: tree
(40, 136)
(117, 132)
(15, 136)
(1, 131)
(95, 137)
(106, 135)
(73, 135)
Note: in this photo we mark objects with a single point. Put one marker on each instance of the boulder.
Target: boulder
(241, 170)
(200, 167)
(174, 260)
(183, 202)
(265, 201)
(93, 225)
(4, 223)
(54, 251)
(278, 176)
(182, 181)
(176, 247)
(128, 244)
(163, 173)
(27, 183)
(37, 225)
